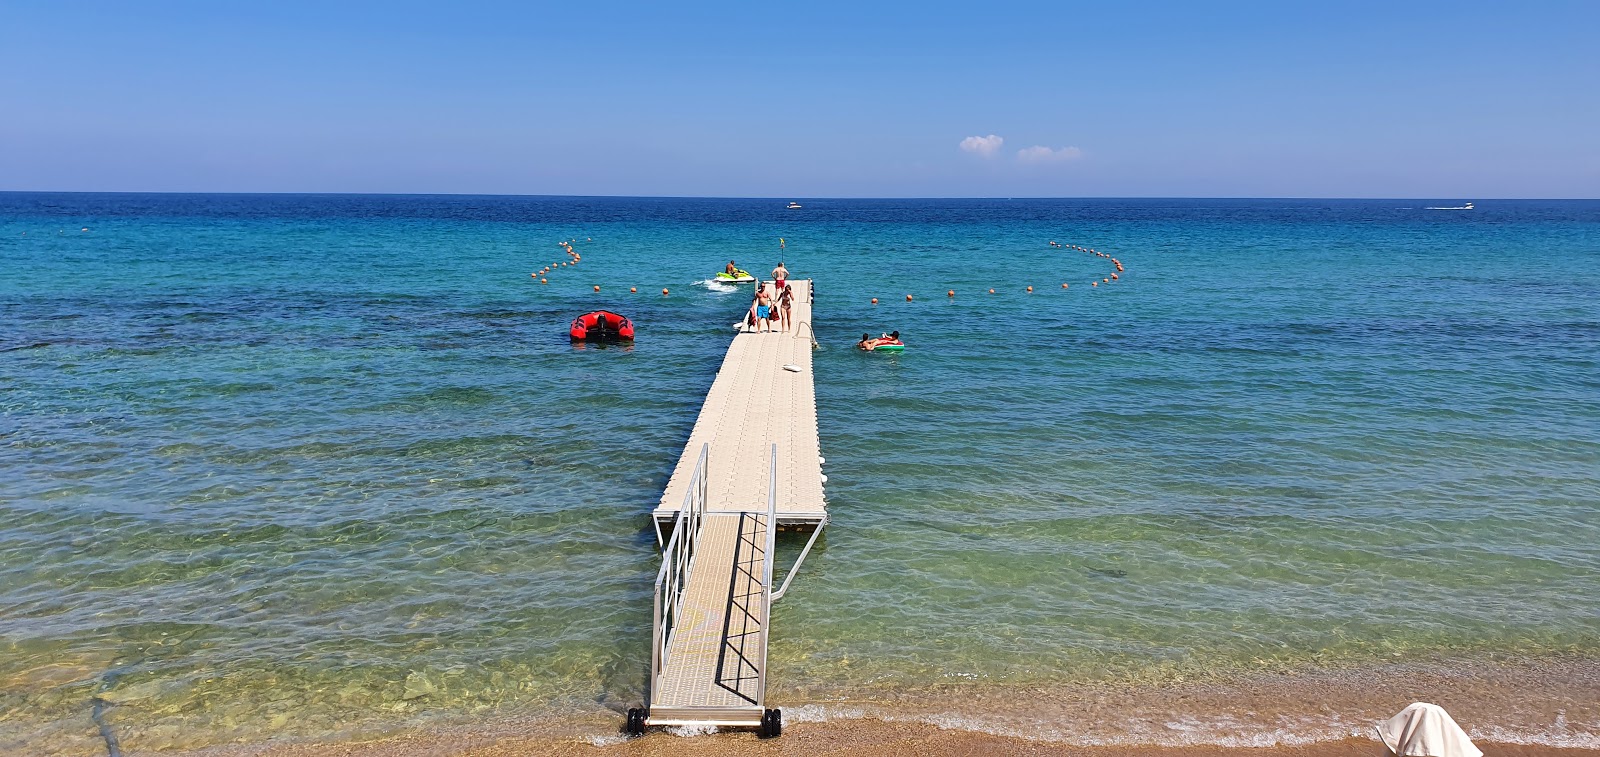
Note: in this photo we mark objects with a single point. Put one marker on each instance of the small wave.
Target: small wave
(1189, 732)
(691, 730)
(1558, 734)
(717, 286)
(816, 713)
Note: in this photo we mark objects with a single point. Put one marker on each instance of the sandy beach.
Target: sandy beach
(1550, 707)
(867, 738)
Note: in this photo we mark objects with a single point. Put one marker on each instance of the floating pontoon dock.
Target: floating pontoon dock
(751, 465)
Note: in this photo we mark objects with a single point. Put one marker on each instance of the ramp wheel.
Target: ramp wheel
(771, 724)
(636, 717)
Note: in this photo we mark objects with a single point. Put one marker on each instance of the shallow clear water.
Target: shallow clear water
(280, 465)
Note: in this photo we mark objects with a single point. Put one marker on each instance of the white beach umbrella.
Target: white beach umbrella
(1426, 730)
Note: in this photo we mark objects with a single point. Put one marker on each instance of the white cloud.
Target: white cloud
(1041, 154)
(985, 146)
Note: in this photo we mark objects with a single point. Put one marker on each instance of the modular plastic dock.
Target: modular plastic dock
(752, 465)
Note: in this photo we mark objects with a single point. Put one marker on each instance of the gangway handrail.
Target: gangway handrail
(766, 572)
(677, 561)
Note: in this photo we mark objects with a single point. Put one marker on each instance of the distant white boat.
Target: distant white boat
(794, 205)
(1467, 206)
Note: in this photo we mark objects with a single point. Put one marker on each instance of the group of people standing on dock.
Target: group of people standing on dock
(772, 303)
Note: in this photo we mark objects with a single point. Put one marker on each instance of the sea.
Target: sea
(325, 467)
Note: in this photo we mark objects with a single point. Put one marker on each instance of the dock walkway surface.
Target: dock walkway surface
(753, 403)
(752, 463)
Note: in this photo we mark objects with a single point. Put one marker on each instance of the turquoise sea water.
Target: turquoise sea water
(277, 465)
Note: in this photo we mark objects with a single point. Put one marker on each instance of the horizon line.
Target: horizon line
(773, 197)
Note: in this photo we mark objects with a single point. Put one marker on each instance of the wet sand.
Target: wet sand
(868, 738)
(1547, 707)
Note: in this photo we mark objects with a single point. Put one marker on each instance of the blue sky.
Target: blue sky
(804, 99)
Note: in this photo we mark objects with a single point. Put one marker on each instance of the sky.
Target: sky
(1451, 100)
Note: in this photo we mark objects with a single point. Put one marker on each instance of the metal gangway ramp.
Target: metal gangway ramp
(751, 466)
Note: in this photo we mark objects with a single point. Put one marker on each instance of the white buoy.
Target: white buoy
(792, 368)
(822, 460)
(824, 478)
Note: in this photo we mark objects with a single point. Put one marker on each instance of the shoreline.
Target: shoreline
(871, 737)
(1545, 707)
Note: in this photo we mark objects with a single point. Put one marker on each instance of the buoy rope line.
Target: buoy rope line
(1117, 276)
(543, 274)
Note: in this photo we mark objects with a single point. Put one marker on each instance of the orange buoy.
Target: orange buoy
(535, 275)
(874, 300)
(1094, 283)
(663, 293)
(1030, 289)
(950, 293)
(1113, 276)
(544, 281)
(991, 291)
(597, 287)
(1063, 286)
(1108, 281)
(908, 298)
(633, 289)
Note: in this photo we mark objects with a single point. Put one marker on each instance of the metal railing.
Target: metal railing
(801, 560)
(811, 332)
(766, 570)
(677, 560)
(744, 625)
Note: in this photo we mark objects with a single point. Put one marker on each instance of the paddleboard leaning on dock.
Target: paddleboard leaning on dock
(752, 466)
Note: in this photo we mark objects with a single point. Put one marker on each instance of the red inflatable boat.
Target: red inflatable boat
(602, 325)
